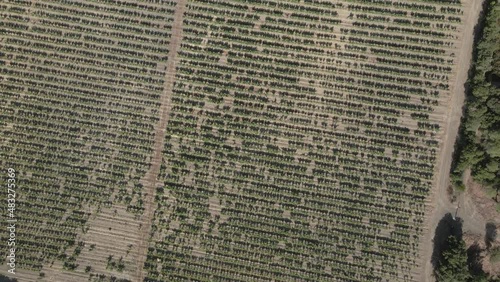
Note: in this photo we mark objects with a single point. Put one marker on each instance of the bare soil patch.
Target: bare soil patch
(439, 203)
(484, 204)
(150, 179)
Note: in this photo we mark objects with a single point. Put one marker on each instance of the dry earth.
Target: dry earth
(150, 179)
(482, 253)
(113, 230)
(439, 203)
(483, 203)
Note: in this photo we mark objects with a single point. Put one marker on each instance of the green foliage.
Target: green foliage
(480, 149)
(70, 265)
(495, 255)
(453, 265)
(460, 187)
(482, 277)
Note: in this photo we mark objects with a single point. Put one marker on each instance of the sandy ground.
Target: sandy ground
(483, 203)
(150, 179)
(439, 203)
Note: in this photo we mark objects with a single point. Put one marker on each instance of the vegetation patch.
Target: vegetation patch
(479, 147)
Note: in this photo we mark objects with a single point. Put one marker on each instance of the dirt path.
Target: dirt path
(150, 179)
(439, 203)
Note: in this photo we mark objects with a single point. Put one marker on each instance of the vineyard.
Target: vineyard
(248, 140)
(81, 83)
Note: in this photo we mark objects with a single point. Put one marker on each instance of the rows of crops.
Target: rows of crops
(81, 83)
(302, 139)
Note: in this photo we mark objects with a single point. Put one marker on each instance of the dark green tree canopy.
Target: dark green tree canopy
(453, 265)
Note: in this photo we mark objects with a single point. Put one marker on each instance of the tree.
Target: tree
(453, 265)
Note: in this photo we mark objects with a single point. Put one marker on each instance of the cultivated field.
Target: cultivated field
(225, 140)
(302, 140)
(81, 85)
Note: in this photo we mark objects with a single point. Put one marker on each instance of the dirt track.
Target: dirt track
(439, 203)
(150, 179)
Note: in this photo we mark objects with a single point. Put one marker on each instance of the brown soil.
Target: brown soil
(482, 250)
(485, 205)
(150, 179)
(439, 202)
